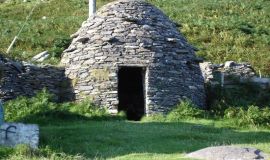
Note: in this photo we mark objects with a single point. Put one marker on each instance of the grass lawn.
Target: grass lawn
(119, 139)
(128, 140)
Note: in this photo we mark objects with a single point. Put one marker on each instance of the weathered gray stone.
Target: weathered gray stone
(261, 80)
(71, 49)
(235, 74)
(134, 33)
(122, 33)
(229, 64)
(41, 56)
(75, 35)
(12, 134)
(24, 79)
(85, 88)
(82, 39)
(172, 40)
(228, 153)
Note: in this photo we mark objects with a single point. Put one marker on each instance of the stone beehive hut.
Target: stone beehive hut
(129, 56)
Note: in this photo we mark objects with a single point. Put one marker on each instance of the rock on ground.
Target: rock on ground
(41, 56)
(12, 134)
(228, 153)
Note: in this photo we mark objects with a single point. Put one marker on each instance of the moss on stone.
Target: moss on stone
(100, 74)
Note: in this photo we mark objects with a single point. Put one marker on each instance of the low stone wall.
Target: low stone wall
(25, 79)
(234, 84)
(231, 74)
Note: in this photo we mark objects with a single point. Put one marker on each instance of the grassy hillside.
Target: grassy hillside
(225, 29)
(221, 29)
(63, 17)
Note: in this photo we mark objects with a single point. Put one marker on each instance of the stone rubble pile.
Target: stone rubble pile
(234, 74)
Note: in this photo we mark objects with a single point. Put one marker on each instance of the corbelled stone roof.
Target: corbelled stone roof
(132, 24)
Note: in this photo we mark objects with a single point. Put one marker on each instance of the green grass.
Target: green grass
(122, 138)
(222, 29)
(85, 131)
(64, 17)
(225, 29)
(139, 140)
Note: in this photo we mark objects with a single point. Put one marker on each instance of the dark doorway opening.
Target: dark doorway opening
(131, 92)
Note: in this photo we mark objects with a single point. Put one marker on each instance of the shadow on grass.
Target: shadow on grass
(54, 117)
(110, 137)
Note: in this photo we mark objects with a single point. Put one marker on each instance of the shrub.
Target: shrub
(59, 45)
(247, 28)
(122, 115)
(185, 110)
(250, 116)
(22, 152)
(220, 99)
(22, 107)
(43, 109)
(5, 152)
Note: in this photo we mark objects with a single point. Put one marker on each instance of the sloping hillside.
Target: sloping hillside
(225, 29)
(49, 27)
(221, 29)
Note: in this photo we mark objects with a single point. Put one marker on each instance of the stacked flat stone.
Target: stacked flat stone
(25, 79)
(133, 33)
(235, 74)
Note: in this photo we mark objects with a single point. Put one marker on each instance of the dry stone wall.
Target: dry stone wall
(133, 33)
(25, 79)
(234, 74)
